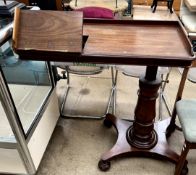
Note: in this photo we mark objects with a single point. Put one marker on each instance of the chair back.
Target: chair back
(137, 71)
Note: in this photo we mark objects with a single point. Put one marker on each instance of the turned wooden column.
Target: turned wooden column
(142, 134)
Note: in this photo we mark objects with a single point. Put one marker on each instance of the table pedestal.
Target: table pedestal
(122, 148)
(141, 137)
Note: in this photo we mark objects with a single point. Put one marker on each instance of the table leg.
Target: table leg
(141, 137)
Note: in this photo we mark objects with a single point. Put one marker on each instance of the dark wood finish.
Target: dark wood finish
(142, 134)
(47, 34)
(123, 42)
(136, 42)
(122, 147)
(142, 137)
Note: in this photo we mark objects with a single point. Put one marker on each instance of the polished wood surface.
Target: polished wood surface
(144, 40)
(108, 41)
(122, 148)
(47, 34)
(136, 42)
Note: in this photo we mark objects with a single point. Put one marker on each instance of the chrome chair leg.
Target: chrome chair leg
(110, 101)
(162, 98)
(114, 81)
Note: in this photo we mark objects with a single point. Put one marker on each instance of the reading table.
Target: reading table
(119, 42)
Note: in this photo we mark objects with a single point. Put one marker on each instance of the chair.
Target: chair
(85, 70)
(137, 71)
(185, 109)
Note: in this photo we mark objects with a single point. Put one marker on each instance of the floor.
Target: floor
(77, 144)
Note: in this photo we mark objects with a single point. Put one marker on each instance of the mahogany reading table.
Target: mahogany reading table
(151, 43)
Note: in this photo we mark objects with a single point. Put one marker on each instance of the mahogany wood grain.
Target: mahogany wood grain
(150, 42)
(57, 36)
(47, 34)
(123, 149)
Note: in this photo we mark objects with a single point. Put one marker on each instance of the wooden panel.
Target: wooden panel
(141, 40)
(47, 34)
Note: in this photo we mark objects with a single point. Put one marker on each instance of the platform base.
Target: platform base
(122, 147)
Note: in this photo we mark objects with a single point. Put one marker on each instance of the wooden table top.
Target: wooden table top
(137, 42)
(57, 36)
(42, 33)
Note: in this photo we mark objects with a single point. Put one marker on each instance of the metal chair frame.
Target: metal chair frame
(162, 97)
(68, 71)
